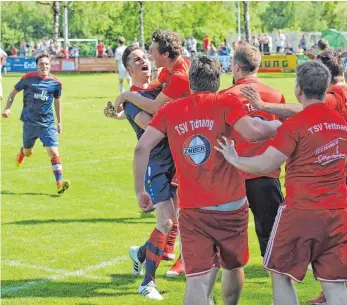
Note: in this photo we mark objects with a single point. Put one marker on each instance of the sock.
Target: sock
(171, 238)
(141, 255)
(20, 155)
(155, 250)
(57, 169)
(121, 88)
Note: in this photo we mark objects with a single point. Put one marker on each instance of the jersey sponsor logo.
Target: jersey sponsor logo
(329, 152)
(41, 96)
(197, 150)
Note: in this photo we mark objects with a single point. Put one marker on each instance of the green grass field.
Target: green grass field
(73, 249)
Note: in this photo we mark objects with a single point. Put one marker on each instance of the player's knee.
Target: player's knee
(165, 225)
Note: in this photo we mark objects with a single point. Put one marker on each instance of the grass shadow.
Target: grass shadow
(29, 194)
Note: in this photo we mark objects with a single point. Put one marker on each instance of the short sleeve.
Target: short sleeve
(285, 139)
(57, 91)
(177, 86)
(117, 56)
(159, 121)
(22, 84)
(233, 109)
(131, 111)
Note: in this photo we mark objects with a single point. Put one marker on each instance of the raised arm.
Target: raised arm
(283, 111)
(7, 112)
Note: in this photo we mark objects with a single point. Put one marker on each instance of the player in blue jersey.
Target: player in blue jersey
(41, 91)
(160, 171)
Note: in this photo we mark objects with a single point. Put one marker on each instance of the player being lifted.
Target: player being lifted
(160, 171)
(41, 91)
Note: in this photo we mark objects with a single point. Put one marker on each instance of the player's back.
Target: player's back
(315, 171)
(118, 56)
(268, 94)
(193, 125)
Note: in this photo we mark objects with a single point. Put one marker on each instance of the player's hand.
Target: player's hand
(227, 149)
(145, 202)
(253, 96)
(60, 127)
(6, 113)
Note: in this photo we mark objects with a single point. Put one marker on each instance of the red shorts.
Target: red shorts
(205, 233)
(300, 237)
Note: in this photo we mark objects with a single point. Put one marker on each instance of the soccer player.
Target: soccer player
(336, 97)
(166, 51)
(263, 191)
(3, 56)
(311, 226)
(159, 173)
(213, 215)
(41, 91)
(122, 72)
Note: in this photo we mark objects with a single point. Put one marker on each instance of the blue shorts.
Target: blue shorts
(158, 182)
(47, 135)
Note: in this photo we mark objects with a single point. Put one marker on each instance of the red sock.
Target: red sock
(171, 238)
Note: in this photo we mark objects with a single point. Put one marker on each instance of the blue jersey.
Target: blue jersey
(38, 98)
(160, 154)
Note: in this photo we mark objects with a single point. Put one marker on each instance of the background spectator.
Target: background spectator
(280, 42)
(213, 50)
(255, 42)
(22, 48)
(260, 39)
(303, 43)
(323, 45)
(206, 44)
(267, 44)
(100, 49)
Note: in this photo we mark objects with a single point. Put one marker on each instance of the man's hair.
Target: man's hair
(42, 56)
(313, 78)
(334, 62)
(323, 45)
(126, 53)
(204, 74)
(168, 42)
(247, 56)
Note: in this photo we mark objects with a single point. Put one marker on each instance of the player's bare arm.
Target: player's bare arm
(142, 119)
(254, 130)
(265, 163)
(7, 112)
(148, 105)
(58, 112)
(147, 142)
(283, 111)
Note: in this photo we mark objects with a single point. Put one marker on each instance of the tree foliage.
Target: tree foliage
(108, 20)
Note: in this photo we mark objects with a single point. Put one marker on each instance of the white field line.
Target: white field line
(61, 274)
(36, 169)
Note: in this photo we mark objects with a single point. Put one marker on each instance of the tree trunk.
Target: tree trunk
(56, 7)
(142, 39)
(246, 19)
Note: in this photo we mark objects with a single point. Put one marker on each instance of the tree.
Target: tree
(279, 15)
(246, 19)
(142, 37)
(55, 8)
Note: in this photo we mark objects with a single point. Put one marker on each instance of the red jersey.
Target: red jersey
(100, 49)
(176, 82)
(339, 91)
(270, 95)
(193, 125)
(315, 142)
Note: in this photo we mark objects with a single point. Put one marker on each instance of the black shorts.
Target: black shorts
(264, 196)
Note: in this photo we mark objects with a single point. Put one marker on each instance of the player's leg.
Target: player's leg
(198, 253)
(283, 290)
(212, 282)
(121, 83)
(264, 195)
(335, 293)
(197, 290)
(30, 134)
(232, 284)
(169, 253)
(49, 138)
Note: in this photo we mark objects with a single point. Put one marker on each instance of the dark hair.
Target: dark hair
(42, 56)
(121, 40)
(313, 78)
(126, 53)
(168, 42)
(334, 62)
(204, 74)
(323, 44)
(247, 56)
